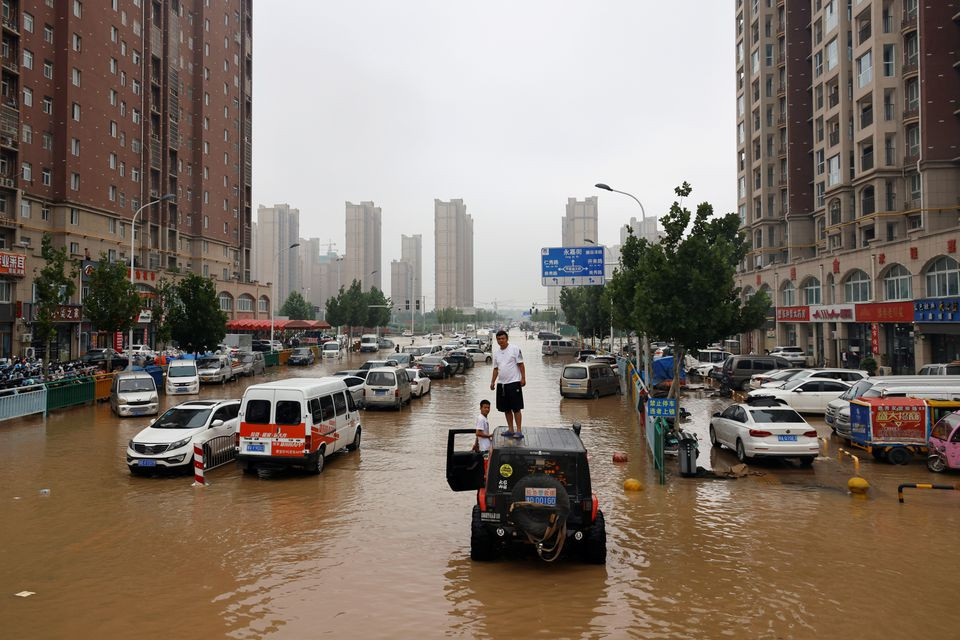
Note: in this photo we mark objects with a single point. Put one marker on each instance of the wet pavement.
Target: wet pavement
(378, 546)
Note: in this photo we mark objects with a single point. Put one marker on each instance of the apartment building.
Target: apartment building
(411, 252)
(362, 261)
(453, 235)
(848, 132)
(104, 109)
(277, 230)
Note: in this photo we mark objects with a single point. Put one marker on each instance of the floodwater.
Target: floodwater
(378, 546)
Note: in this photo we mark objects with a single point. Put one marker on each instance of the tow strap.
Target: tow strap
(550, 544)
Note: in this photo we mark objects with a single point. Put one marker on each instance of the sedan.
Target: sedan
(771, 430)
(782, 376)
(478, 354)
(846, 375)
(168, 442)
(355, 387)
(460, 360)
(301, 356)
(805, 396)
(419, 382)
(436, 367)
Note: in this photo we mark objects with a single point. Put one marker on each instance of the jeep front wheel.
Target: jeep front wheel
(593, 548)
(482, 543)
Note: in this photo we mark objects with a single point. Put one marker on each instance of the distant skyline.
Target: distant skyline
(512, 107)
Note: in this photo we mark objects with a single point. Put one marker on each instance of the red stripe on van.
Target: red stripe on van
(250, 430)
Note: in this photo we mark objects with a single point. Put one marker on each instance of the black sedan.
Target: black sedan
(436, 367)
(460, 360)
(302, 356)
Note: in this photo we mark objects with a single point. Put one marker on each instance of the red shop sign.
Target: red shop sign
(875, 338)
(885, 312)
(797, 314)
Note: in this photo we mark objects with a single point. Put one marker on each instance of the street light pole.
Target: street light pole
(646, 340)
(133, 226)
(273, 294)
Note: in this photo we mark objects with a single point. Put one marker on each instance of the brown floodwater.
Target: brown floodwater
(378, 546)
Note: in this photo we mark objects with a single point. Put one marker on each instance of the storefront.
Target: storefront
(842, 341)
(63, 342)
(793, 328)
(938, 322)
(12, 269)
(891, 334)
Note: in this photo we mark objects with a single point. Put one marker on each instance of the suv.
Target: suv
(535, 490)
(951, 369)
(737, 370)
(795, 355)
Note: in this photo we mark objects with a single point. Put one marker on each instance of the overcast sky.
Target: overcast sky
(513, 106)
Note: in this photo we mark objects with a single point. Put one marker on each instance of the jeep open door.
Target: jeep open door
(464, 466)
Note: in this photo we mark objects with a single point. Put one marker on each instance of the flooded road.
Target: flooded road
(378, 546)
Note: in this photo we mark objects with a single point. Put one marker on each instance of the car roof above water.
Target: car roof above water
(540, 439)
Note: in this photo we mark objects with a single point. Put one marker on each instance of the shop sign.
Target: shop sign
(793, 314)
(833, 313)
(145, 317)
(12, 264)
(118, 341)
(64, 313)
(885, 312)
(936, 310)
(142, 275)
(875, 337)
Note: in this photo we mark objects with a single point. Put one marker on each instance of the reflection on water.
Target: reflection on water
(377, 546)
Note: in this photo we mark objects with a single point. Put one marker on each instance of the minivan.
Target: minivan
(215, 369)
(134, 393)
(331, 349)
(558, 348)
(736, 370)
(386, 387)
(588, 380)
(182, 377)
(369, 342)
(296, 422)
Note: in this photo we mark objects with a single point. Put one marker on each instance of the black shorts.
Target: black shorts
(509, 397)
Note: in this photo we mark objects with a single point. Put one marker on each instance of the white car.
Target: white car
(776, 376)
(854, 392)
(805, 396)
(355, 387)
(168, 441)
(846, 375)
(477, 354)
(765, 429)
(142, 350)
(419, 382)
(331, 349)
(407, 334)
(795, 355)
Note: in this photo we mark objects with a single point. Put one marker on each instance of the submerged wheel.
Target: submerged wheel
(593, 548)
(898, 455)
(713, 438)
(355, 445)
(935, 463)
(596, 394)
(488, 360)
(742, 453)
(482, 543)
(807, 461)
(318, 462)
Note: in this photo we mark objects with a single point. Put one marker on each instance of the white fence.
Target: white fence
(23, 401)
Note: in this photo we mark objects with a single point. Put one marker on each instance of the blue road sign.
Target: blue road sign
(662, 408)
(572, 266)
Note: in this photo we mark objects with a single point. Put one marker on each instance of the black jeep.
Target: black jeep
(535, 490)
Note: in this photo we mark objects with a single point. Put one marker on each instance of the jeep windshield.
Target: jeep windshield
(182, 419)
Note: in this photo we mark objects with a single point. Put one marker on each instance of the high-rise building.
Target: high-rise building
(848, 151)
(453, 257)
(578, 226)
(411, 252)
(105, 110)
(362, 261)
(646, 228)
(401, 276)
(278, 228)
(319, 271)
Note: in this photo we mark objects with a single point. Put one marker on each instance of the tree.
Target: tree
(297, 308)
(113, 303)
(586, 308)
(377, 308)
(54, 287)
(196, 321)
(162, 304)
(335, 314)
(683, 289)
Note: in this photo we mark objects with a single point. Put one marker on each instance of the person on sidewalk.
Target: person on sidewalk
(509, 377)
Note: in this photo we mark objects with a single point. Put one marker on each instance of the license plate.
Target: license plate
(787, 438)
(380, 392)
(574, 385)
(255, 447)
(137, 412)
(541, 496)
(147, 463)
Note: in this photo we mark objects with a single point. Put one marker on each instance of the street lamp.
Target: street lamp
(133, 225)
(646, 341)
(273, 311)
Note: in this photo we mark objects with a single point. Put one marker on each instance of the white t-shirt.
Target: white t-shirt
(506, 361)
(484, 426)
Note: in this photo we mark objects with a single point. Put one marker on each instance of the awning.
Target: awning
(255, 325)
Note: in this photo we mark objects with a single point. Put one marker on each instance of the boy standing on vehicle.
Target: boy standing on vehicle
(483, 428)
(509, 377)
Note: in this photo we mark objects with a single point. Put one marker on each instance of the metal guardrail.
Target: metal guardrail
(23, 401)
(69, 393)
(218, 452)
(654, 430)
(660, 428)
(101, 386)
(941, 487)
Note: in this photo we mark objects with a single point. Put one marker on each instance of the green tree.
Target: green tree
(335, 314)
(683, 288)
(196, 321)
(55, 284)
(113, 302)
(166, 296)
(297, 307)
(377, 308)
(586, 308)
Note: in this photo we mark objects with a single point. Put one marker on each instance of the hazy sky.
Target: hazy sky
(512, 106)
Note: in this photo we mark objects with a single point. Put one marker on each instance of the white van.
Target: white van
(386, 387)
(182, 377)
(296, 422)
(331, 349)
(369, 342)
(134, 393)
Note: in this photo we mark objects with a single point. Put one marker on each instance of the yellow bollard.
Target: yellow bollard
(826, 446)
(858, 485)
(632, 484)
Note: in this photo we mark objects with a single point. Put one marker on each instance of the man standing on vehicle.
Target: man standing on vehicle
(509, 377)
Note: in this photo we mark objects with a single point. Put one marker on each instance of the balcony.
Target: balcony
(782, 120)
(908, 22)
(833, 100)
(781, 90)
(866, 161)
(911, 112)
(10, 64)
(10, 25)
(11, 103)
(834, 138)
(910, 66)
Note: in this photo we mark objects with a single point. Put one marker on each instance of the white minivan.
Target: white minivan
(296, 422)
(386, 387)
(369, 343)
(182, 378)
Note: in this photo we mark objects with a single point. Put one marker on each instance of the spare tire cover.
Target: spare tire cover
(535, 520)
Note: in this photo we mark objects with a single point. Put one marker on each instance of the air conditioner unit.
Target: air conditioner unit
(26, 338)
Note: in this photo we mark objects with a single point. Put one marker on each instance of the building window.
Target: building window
(75, 181)
(244, 303)
(77, 43)
(857, 287)
(47, 105)
(6, 291)
(44, 211)
(27, 97)
(27, 59)
(263, 304)
(46, 177)
(943, 278)
(48, 70)
(77, 8)
(75, 146)
(74, 248)
(25, 209)
(75, 213)
(112, 225)
(833, 170)
(788, 295)
(48, 34)
(75, 111)
(897, 284)
(112, 193)
(27, 171)
(811, 291)
(76, 77)
(27, 22)
(865, 69)
(27, 134)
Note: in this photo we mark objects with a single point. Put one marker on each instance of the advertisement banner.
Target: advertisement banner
(937, 310)
(12, 264)
(885, 312)
(118, 341)
(793, 314)
(875, 338)
(833, 313)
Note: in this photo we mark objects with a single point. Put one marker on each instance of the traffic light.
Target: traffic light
(408, 304)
